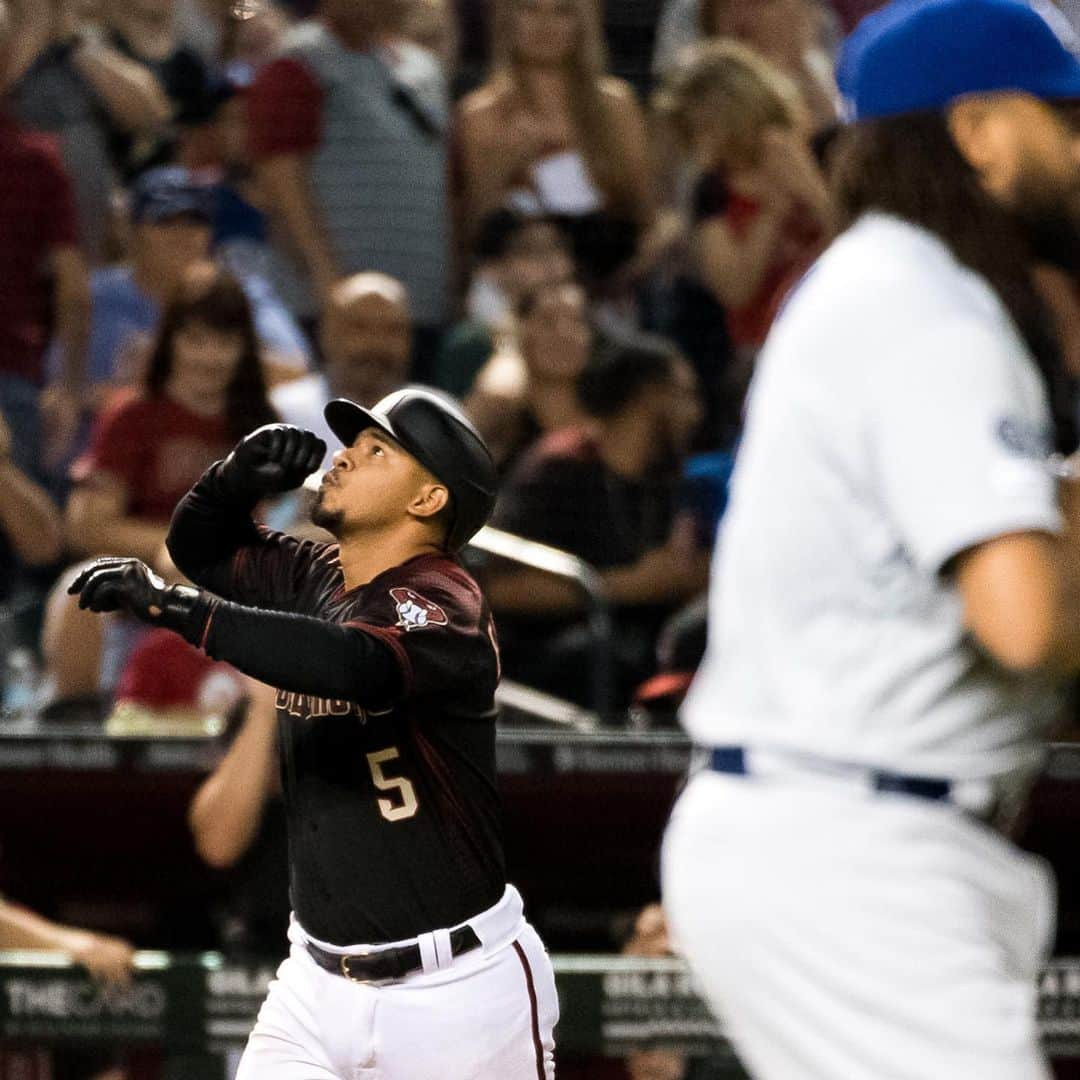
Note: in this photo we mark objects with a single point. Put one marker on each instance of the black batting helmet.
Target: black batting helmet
(433, 429)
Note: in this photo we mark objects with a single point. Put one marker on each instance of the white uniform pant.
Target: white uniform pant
(488, 1014)
(846, 935)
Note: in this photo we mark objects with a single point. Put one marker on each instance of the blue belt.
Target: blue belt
(732, 760)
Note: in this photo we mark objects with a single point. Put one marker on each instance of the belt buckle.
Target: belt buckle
(344, 965)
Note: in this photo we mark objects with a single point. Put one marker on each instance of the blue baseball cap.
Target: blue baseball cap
(171, 192)
(917, 55)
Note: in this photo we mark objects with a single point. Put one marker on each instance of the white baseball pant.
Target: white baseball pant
(841, 934)
(488, 1014)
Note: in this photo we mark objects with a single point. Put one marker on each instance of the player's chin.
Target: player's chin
(325, 517)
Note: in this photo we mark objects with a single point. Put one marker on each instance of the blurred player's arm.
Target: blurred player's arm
(1021, 593)
(228, 807)
(104, 957)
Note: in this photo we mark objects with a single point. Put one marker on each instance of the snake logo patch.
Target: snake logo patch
(414, 612)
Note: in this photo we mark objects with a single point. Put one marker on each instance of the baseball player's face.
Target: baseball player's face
(374, 484)
(1027, 153)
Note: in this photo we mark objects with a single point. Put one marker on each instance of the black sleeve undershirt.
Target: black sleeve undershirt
(209, 526)
(304, 655)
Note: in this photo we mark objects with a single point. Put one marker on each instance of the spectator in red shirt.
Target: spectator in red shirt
(45, 289)
(760, 205)
(204, 389)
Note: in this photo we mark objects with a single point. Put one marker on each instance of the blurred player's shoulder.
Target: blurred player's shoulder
(883, 267)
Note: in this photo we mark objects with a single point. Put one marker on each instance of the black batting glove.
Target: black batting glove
(272, 459)
(118, 584)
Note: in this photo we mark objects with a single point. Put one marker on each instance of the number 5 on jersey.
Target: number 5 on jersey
(390, 809)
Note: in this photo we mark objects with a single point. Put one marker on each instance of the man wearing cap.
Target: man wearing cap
(410, 954)
(172, 219)
(896, 590)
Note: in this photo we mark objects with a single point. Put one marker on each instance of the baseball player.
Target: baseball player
(894, 591)
(410, 958)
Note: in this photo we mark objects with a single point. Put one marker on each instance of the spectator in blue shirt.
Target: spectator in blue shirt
(172, 213)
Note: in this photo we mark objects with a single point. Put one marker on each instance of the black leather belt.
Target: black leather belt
(387, 964)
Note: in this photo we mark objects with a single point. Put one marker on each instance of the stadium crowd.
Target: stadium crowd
(218, 213)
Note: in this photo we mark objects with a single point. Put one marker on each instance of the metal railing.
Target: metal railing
(561, 564)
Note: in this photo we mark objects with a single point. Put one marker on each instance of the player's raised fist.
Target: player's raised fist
(273, 459)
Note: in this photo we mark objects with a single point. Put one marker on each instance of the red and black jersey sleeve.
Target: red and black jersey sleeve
(434, 618)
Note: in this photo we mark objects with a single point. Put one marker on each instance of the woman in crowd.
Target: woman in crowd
(759, 203)
(204, 389)
(794, 35)
(551, 133)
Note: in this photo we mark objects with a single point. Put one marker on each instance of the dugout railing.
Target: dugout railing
(498, 543)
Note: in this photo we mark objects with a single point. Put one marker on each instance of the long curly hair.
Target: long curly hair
(909, 166)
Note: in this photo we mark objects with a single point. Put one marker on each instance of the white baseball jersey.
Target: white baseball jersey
(896, 419)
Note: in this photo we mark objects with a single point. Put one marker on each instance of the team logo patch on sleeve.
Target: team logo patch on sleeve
(414, 612)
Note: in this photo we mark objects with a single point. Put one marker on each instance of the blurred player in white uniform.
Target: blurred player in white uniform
(895, 594)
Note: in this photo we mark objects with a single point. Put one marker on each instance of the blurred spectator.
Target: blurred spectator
(67, 79)
(606, 493)
(31, 528)
(650, 938)
(431, 25)
(551, 133)
(790, 34)
(107, 959)
(171, 214)
(45, 288)
(760, 204)
(145, 32)
(514, 254)
(204, 388)
(348, 136)
(202, 25)
(238, 823)
(759, 214)
(366, 345)
(528, 390)
(165, 680)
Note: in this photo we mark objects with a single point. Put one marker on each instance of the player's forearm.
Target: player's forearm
(300, 654)
(209, 526)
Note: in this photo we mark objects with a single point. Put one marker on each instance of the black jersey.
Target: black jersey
(392, 811)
